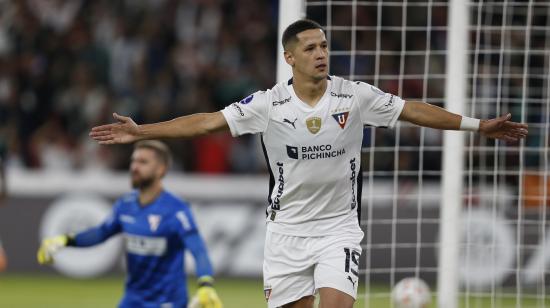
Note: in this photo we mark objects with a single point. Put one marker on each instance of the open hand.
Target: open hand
(502, 128)
(124, 131)
(49, 247)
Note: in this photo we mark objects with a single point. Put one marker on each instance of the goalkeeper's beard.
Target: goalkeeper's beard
(142, 183)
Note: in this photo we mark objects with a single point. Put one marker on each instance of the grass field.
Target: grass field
(50, 291)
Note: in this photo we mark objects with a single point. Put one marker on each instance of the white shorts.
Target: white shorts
(296, 266)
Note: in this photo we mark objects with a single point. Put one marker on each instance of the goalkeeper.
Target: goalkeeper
(158, 227)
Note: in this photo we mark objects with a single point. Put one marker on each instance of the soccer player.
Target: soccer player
(311, 129)
(157, 228)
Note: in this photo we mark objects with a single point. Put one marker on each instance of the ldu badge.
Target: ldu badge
(313, 124)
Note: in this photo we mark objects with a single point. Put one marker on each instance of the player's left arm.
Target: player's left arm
(428, 115)
(206, 294)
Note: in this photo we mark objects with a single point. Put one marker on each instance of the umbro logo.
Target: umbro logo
(290, 122)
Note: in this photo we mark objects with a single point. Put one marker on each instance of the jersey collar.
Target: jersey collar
(321, 101)
(291, 80)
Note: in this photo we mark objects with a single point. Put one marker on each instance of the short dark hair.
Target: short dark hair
(296, 27)
(160, 148)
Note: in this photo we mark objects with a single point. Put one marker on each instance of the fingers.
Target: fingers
(104, 138)
(511, 136)
(100, 133)
(515, 136)
(104, 134)
(516, 125)
(106, 127)
(516, 130)
(504, 118)
(120, 118)
(43, 256)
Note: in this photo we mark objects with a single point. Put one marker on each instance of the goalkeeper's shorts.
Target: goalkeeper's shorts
(295, 266)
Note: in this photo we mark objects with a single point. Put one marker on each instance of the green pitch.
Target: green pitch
(54, 291)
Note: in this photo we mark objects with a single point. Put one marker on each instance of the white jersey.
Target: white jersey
(314, 153)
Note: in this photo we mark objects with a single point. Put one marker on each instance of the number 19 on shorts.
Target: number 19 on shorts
(352, 261)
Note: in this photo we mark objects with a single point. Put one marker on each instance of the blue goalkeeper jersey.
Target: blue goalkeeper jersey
(156, 236)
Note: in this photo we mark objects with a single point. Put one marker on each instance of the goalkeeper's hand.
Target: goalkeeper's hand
(206, 295)
(49, 247)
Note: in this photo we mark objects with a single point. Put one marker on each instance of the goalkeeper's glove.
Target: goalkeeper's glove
(206, 295)
(50, 246)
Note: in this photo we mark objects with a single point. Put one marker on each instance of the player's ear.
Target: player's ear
(162, 170)
(289, 58)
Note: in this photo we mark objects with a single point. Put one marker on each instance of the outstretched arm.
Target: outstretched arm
(51, 245)
(428, 115)
(127, 131)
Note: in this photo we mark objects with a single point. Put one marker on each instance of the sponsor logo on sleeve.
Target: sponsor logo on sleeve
(247, 100)
(239, 110)
(313, 124)
(341, 118)
(390, 102)
(185, 223)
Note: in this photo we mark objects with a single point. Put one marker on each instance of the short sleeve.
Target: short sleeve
(249, 116)
(376, 107)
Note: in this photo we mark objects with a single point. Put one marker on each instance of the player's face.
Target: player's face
(310, 54)
(145, 168)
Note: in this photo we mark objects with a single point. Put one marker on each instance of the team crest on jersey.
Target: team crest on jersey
(313, 124)
(341, 118)
(154, 222)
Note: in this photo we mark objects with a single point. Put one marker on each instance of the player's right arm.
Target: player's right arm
(248, 116)
(127, 131)
(90, 237)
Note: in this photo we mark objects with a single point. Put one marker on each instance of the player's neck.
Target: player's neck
(309, 90)
(148, 194)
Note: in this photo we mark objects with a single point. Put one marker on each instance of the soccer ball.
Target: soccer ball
(411, 293)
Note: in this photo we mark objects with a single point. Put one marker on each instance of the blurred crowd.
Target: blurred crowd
(66, 65)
